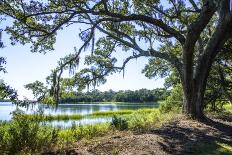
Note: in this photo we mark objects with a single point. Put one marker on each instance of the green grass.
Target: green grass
(83, 131)
(147, 118)
(23, 128)
(228, 108)
(25, 136)
(110, 113)
(119, 112)
(214, 148)
(93, 115)
(136, 120)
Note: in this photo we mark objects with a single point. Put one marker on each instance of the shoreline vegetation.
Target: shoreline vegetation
(97, 102)
(136, 96)
(108, 102)
(48, 138)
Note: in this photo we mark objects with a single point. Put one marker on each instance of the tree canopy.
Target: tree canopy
(184, 35)
(6, 91)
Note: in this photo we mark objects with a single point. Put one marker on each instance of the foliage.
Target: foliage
(142, 120)
(7, 92)
(174, 101)
(119, 123)
(2, 63)
(38, 89)
(78, 132)
(219, 83)
(23, 135)
(228, 108)
(89, 131)
(48, 100)
(142, 95)
(185, 36)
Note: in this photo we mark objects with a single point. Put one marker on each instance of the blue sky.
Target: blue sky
(24, 67)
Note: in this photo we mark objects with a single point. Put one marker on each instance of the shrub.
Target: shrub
(141, 120)
(174, 101)
(77, 132)
(23, 135)
(119, 123)
(138, 120)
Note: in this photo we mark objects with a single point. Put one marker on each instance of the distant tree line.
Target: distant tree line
(142, 95)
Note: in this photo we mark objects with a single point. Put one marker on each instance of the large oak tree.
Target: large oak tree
(189, 35)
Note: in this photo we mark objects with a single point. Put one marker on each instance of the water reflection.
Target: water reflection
(84, 109)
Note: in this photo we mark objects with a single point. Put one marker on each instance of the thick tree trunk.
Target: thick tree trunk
(194, 77)
(194, 103)
(194, 90)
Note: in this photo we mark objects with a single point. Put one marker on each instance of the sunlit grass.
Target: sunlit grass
(213, 148)
(145, 119)
(119, 112)
(110, 113)
(77, 132)
(92, 115)
(228, 108)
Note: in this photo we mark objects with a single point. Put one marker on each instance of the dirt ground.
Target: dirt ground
(173, 137)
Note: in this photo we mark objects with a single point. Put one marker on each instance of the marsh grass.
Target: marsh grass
(110, 113)
(92, 115)
(120, 112)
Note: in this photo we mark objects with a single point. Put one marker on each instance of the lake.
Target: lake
(6, 108)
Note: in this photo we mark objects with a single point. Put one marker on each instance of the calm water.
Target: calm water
(6, 108)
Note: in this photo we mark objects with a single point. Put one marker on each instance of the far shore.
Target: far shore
(155, 102)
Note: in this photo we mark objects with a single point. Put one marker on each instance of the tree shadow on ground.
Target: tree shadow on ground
(224, 117)
(208, 136)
